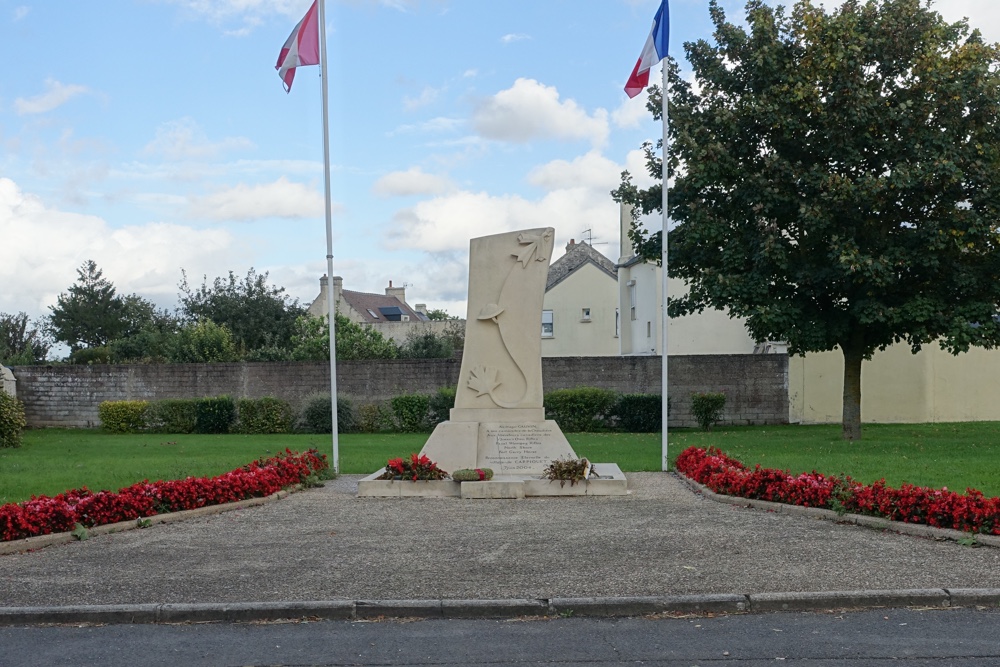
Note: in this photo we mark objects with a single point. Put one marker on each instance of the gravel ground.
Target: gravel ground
(326, 544)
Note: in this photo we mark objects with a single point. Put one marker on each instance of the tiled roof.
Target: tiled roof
(367, 305)
(577, 255)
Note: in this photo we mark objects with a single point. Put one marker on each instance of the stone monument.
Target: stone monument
(498, 421)
(7, 382)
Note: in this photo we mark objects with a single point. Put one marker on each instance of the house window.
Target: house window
(547, 330)
(618, 324)
(649, 329)
(631, 299)
(585, 315)
(373, 313)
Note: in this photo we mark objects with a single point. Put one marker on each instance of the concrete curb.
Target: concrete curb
(361, 610)
(42, 541)
(878, 523)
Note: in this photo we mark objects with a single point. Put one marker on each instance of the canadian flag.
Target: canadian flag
(301, 47)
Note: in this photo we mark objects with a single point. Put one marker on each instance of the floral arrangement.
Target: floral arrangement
(567, 470)
(415, 468)
(473, 475)
(43, 515)
(969, 512)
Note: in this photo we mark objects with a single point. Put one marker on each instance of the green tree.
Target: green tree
(835, 180)
(259, 315)
(426, 345)
(354, 341)
(91, 314)
(22, 342)
(439, 314)
(203, 341)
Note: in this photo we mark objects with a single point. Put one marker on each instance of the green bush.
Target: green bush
(91, 355)
(426, 345)
(410, 411)
(441, 403)
(215, 415)
(12, 420)
(173, 415)
(707, 408)
(203, 341)
(263, 415)
(315, 416)
(639, 413)
(375, 418)
(123, 416)
(582, 409)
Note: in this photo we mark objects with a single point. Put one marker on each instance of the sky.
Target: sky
(154, 137)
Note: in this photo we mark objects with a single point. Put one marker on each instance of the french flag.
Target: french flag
(301, 47)
(653, 52)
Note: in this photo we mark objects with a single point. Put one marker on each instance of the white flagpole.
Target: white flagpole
(331, 307)
(663, 256)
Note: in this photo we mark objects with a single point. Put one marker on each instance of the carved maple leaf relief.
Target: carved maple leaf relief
(483, 380)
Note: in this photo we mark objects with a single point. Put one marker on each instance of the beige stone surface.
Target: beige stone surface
(521, 449)
(502, 359)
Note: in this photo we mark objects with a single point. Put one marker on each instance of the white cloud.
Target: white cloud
(514, 37)
(44, 246)
(183, 139)
(413, 181)
(445, 223)
(281, 199)
(426, 96)
(437, 125)
(56, 95)
(20, 12)
(632, 112)
(531, 110)
(591, 170)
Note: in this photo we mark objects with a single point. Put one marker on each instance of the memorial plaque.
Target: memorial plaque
(521, 449)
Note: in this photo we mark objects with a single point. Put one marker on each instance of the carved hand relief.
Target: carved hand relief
(502, 361)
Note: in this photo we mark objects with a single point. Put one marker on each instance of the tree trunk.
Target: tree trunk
(853, 356)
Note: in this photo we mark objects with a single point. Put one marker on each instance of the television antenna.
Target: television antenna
(588, 238)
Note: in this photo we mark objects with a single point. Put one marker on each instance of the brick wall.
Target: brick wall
(68, 396)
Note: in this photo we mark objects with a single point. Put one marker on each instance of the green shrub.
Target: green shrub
(203, 341)
(12, 421)
(582, 409)
(316, 416)
(215, 415)
(91, 355)
(375, 418)
(263, 415)
(173, 415)
(707, 408)
(639, 413)
(410, 411)
(426, 345)
(441, 403)
(123, 416)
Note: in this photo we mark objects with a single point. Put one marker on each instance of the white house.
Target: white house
(580, 308)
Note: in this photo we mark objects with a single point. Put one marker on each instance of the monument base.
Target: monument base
(508, 448)
(610, 481)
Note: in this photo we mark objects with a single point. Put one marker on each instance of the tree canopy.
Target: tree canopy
(835, 180)
(22, 341)
(257, 314)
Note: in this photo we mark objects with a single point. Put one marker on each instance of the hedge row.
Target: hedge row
(575, 410)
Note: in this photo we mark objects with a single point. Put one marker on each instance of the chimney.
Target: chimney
(569, 246)
(421, 308)
(625, 222)
(398, 292)
(338, 287)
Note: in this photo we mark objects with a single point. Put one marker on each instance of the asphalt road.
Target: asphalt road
(904, 637)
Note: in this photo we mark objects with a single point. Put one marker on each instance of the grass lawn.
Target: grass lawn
(958, 455)
(936, 455)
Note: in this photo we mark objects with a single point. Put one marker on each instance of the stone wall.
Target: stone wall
(68, 396)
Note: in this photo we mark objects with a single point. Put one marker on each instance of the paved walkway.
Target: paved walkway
(327, 544)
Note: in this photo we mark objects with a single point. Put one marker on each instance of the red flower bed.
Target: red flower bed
(941, 508)
(43, 515)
